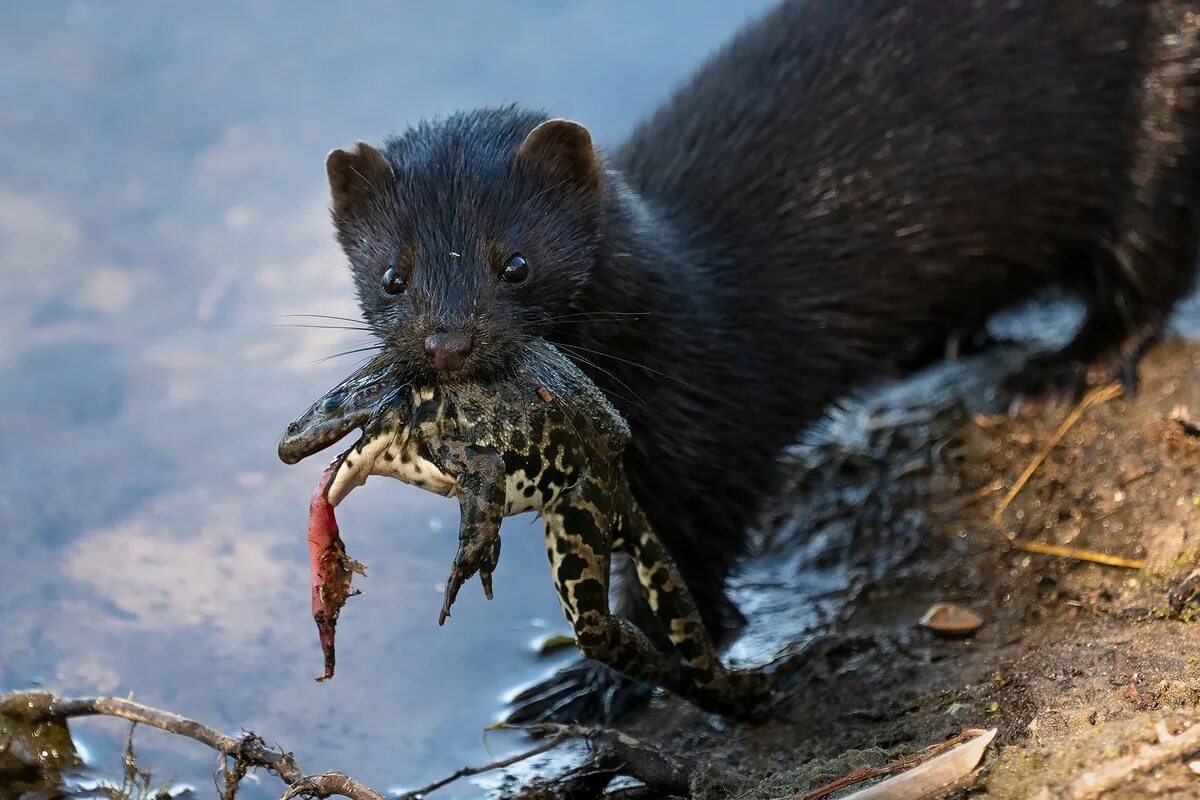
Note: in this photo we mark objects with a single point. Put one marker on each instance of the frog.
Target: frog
(543, 438)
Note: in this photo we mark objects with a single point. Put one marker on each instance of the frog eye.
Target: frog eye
(516, 270)
(393, 283)
(332, 402)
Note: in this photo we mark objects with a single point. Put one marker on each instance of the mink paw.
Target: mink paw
(1064, 376)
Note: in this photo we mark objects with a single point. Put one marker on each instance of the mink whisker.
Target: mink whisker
(320, 327)
(577, 357)
(320, 316)
(632, 364)
(595, 314)
(372, 348)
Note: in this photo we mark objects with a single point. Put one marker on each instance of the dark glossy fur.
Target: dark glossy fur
(846, 182)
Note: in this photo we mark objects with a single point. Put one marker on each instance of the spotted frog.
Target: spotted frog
(545, 439)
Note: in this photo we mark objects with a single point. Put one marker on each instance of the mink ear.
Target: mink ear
(565, 149)
(354, 175)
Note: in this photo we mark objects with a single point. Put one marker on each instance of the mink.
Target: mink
(843, 184)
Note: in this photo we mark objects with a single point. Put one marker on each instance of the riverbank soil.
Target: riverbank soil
(1075, 662)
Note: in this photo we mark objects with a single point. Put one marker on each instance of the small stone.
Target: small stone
(1189, 424)
(951, 619)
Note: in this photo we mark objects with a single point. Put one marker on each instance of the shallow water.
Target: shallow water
(161, 207)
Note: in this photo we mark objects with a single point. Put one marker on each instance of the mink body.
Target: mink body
(844, 184)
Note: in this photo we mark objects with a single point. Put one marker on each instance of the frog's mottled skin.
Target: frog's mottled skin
(545, 440)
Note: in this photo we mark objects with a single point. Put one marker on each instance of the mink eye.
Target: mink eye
(393, 282)
(516, 270)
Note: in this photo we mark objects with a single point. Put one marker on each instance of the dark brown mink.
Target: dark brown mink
(845, 183)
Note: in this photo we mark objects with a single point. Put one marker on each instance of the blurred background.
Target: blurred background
(162, 208)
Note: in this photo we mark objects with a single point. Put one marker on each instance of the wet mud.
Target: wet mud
(890, 509)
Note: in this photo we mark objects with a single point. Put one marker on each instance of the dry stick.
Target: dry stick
(465, 772)
(249, 749)
(864, 772)
(1078, 553)
(1114, 773)
(1100, 394)
(617, 753)
(613, 753)
(328, 784)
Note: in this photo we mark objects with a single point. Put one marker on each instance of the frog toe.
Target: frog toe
(455, 582)
(583, 693)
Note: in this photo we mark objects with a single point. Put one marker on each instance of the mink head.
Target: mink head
(469, 235)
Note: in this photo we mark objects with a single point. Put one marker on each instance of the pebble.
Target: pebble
(951, 619)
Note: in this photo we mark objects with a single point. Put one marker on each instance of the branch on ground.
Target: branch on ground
(246, 751)
(614, 754)
(1148, 758)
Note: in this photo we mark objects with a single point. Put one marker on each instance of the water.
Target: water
(162, 204)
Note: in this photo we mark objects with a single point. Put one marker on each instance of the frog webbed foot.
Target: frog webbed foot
(480, 553)
(583, 692)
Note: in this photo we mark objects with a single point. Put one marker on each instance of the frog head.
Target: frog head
(352, 404)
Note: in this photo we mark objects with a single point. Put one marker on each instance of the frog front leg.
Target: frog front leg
(481, 508)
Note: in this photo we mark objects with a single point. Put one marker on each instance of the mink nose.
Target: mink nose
(448, 351)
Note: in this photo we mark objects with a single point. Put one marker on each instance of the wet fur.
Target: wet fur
(846, 182)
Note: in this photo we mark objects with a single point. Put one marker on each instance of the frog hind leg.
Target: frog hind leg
(665, 591)
(742, 692)
(579, 546)
(481, 509)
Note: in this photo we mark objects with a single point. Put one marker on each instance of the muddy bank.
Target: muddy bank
(1075, 661)
(889, 509)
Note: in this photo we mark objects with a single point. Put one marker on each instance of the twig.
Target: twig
(864, 772)
(328, 784)
(248, 749)
(1078, 553)
(1150, 756)
(1100, 394)
(549, 744)
(228, 779)
(618, 753)
(615, 752)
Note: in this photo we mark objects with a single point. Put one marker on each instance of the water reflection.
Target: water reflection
(161, 206)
